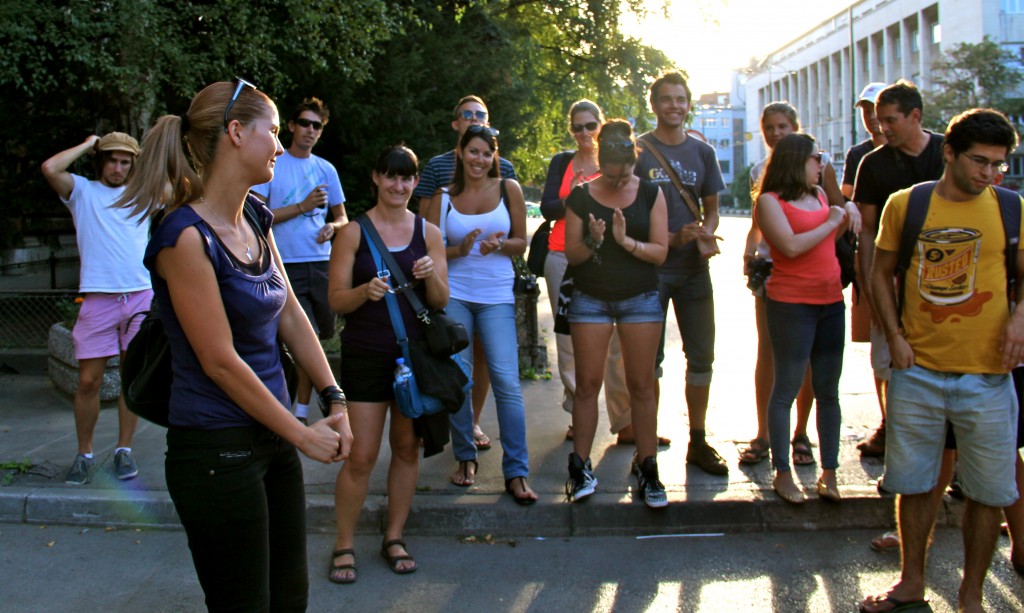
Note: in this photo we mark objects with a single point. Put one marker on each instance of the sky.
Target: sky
(709, 38)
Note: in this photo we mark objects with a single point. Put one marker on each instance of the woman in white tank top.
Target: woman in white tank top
(483, 220)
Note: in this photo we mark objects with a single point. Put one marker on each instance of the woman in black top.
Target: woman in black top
(616, 235)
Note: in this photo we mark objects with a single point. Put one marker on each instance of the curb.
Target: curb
(601, 515)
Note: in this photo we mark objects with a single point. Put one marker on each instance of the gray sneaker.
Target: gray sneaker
(124, 465)
(80, 470)
(582, 481)
(648, 483)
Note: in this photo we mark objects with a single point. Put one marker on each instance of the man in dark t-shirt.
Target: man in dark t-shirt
(684, 278)
(911, 155)
(866, 106)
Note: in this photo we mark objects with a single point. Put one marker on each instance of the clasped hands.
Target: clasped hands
(493, 242)
(329, 439)
(707, 241)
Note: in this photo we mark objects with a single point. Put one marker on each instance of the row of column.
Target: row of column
(822, 91)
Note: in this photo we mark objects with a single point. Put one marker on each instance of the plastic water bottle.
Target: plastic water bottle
(402, 373)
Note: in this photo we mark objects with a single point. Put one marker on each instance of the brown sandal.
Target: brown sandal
(393, 560)
(334, 575)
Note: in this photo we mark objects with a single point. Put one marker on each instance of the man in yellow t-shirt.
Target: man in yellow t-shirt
(952, 354)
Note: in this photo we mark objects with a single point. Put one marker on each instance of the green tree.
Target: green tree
(740, 188)
(78, 67)
(970, 75)
(390, 70)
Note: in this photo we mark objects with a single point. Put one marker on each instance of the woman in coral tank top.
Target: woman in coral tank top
(805, 309)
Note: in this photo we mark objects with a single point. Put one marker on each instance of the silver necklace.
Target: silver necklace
(248, 252)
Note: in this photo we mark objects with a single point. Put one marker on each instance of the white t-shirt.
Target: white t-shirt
(293, 179)
(111, 241)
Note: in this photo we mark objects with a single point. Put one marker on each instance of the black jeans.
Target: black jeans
(240, 496)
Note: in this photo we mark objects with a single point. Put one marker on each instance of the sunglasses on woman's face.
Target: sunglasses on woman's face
(590, 126)
(816, 157)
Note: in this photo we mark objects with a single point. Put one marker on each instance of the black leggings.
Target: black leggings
(240, 496)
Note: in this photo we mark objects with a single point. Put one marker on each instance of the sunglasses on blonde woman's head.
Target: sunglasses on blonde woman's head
(469, 115)
(242, 84)
(590, 126)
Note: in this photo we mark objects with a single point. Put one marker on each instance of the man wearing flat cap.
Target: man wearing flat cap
(115, 284)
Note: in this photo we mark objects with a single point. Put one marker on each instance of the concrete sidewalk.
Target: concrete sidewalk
(37, 424)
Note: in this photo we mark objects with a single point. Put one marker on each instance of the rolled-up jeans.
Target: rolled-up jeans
(802, 333)
(495, 324)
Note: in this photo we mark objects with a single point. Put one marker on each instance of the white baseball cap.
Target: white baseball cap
(870, 93)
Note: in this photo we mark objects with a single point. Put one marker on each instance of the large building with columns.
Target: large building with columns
(822, 71)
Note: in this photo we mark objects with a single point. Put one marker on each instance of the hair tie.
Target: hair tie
(184, 125)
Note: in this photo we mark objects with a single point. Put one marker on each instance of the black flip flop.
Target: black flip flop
(519, 500)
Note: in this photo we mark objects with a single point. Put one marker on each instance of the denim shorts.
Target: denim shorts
(640, 309)
(983, 412)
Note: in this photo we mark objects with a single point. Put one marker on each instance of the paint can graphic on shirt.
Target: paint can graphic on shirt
(948, 265)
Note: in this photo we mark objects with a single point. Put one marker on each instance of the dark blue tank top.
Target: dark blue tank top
(368, 328)
(253, 305)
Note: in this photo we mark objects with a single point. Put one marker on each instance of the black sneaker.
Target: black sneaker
(648, 483)
(706, 458)
(79, 473)
(581, 481)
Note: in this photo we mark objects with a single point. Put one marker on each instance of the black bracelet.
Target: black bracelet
(331, 394)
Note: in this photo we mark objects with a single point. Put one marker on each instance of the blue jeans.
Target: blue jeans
(802, 332)
(496, 326)
(694, 303)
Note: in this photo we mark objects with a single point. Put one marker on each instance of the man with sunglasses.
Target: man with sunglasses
(304, 187)
(438, 172)
(953, 344)
(115, 284)
(910, 155)
(684, 279)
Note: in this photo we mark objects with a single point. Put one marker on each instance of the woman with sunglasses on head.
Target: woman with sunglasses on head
(616, 234)
(483, 220)
(779, 119)
(232, 468)
(567, 170)
(369, 349)
(804, 304)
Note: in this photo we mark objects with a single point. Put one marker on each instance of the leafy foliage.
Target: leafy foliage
(390, 70)
(740, 188)
(972, 75)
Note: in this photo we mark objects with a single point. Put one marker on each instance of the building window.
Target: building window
(936, 33)
(724, 165)
(897, 47)
(915, 46)
(881, 54)
(1012, 6)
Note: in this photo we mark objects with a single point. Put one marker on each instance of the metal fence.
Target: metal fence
(36, 293)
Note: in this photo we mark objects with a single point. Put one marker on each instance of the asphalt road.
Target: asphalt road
(61, 568)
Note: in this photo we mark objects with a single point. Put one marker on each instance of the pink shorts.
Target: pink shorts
(106, 324)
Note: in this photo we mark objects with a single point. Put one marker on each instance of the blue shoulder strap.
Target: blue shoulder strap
(390, 299)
